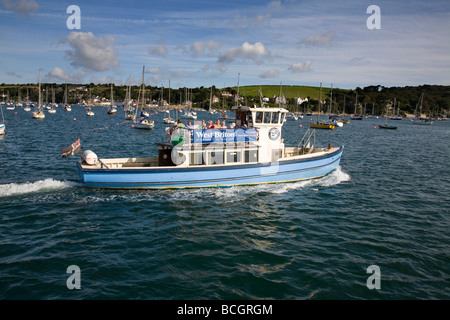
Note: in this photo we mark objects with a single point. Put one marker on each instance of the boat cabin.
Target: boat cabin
(255, 136)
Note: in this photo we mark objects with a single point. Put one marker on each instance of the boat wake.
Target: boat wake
(13, 189)
(334, 178)
(236, 193)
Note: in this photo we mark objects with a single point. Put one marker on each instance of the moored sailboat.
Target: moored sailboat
(39, 113)
(418, 114)
(321, 124)
(385, 125)
(144, 122)
(3, 123)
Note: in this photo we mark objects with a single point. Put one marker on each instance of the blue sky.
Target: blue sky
(203, 43)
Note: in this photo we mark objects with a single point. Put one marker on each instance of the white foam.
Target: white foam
(334, 178)
(13, 189)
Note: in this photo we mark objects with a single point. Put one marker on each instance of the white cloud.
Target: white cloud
(91, 52)
(23, 7)
(243, 23)
(162, 74)
(317, 40)
(274, 5)
(300, 67)
(198, 48)
(159, 50)
(254, 52)
(57, 74)
(272, 73)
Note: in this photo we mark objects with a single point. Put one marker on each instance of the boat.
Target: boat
(3, 123)
(189, 115)
(397, 116)
(356, 116)
(418, 114)
(51, 107)
(144, 122)
(336, 121)
(251, 153)
(385, 125)
(67, 106)
(291, 117)
(169, 120)
(89, 112)
(112, 108)
(39, 113)
(128, 108)
(321, 124)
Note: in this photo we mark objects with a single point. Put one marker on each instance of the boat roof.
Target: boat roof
(247, 108)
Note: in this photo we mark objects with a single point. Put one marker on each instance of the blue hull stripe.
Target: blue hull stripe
(235, 175)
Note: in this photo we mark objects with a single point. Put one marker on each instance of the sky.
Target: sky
(343, 44)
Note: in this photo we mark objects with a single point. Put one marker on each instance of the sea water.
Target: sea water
(386, 205)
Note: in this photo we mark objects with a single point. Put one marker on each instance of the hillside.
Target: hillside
(289, 92)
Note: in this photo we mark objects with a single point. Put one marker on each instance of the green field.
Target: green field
(288, 91)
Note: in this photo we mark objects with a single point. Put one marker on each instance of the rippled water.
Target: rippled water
(387, 204)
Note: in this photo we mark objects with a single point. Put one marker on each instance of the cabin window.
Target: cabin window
(259, 117)
(267, 116)
(251, 155)
(275, 117)
(196, 158)
(215, 157)
(250, 120)
(282, 118)
(233, 156)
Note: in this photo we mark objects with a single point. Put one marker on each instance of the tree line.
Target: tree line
(371, 99)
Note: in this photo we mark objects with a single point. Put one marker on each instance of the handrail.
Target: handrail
(103, 164)
(306, 140)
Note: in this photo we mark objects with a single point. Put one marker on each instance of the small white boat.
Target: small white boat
(144, 124)
(89, 112)
(3, 123)
(39, 113)
(68, 108)
(189, 115)
(169, 120)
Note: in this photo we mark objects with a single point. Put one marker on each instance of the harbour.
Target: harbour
(196, 154)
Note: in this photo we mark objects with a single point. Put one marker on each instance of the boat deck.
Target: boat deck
(290, 153)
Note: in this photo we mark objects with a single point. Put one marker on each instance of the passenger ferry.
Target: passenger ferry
(253, 152)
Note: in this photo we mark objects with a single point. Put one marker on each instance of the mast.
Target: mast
(320, 102)
(143, 88)
(237, 102)
(279, 99)
(210, 99)
(331, 100)
(112, 99)
(39, 96)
